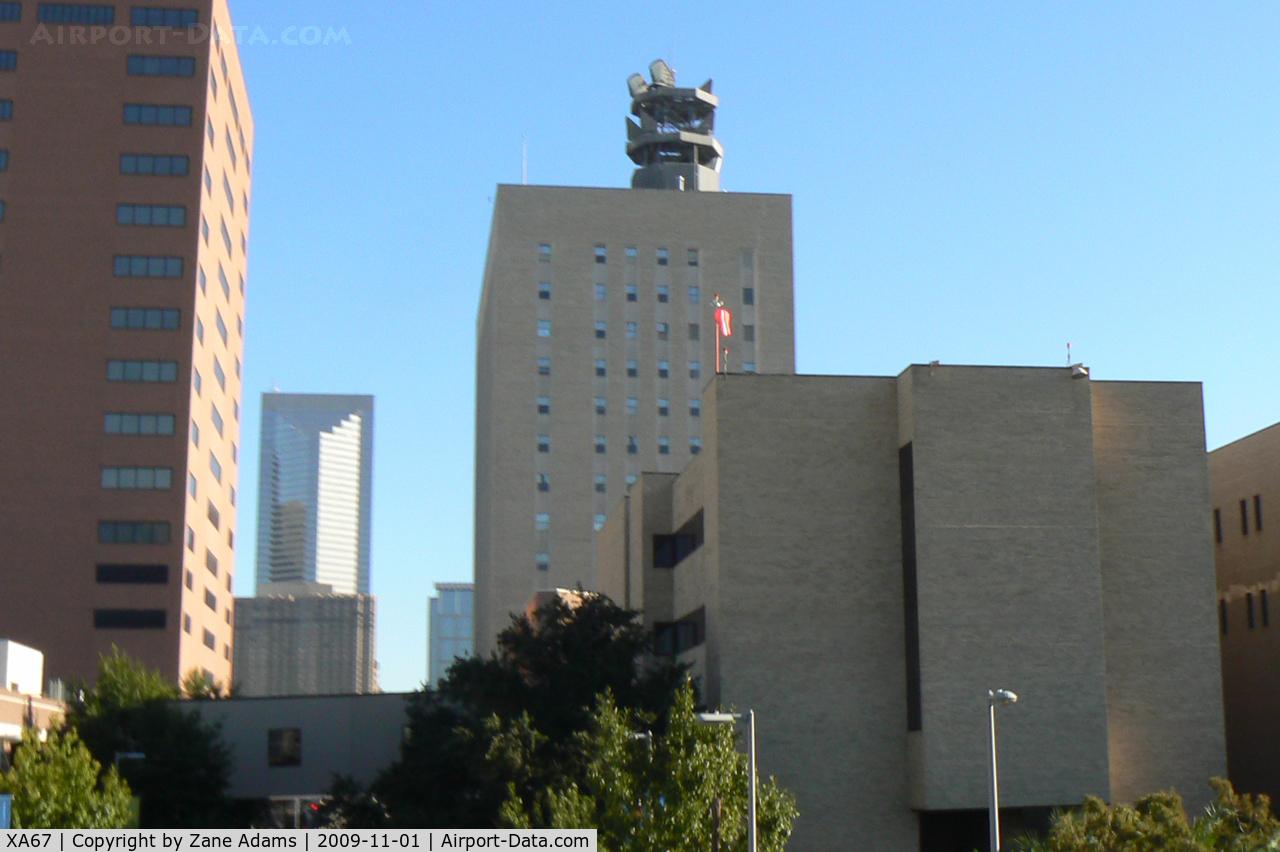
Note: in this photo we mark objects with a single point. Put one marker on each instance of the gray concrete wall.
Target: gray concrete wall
(1009, 588)
(807, 627)
(1164, 687)
(354, 735)
(1062, 553)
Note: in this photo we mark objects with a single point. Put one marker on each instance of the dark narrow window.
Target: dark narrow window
(161, 66)
(1262, 603)
(152, 16)
(1217, 525)
(1257, 512)
(671, 549)
(133, 532)
(158, 574)
(284, 747)
(910, 600)
(1244, 517)
(129, 619)
(10, 11)
(748, 295)
(75, 13)
(1248, 609)
(1222, 617)
(8, 60)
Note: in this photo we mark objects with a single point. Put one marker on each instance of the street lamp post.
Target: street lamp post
(729, 719)
(996, 697)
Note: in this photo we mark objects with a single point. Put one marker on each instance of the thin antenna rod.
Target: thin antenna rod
(524, 160)
(1068, 354)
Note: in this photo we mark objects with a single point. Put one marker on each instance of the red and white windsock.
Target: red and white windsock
(724, 322)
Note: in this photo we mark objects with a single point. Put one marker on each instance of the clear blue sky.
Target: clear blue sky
(977, 183)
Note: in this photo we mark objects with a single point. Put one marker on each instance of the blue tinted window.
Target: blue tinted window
(150, 16)
(142, 266)
(162, 66)
(6, 110)
(8, 60)
(4, 160)
(75, 13)
(166, 165)
(154, 319)
(159, 215)
(10, 11)
(142, 371)
(154, 114)
(133, 532)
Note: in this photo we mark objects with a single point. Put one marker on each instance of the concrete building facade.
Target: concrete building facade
(125, 173)
(290, 748)
(1244, 478)
(859, 559)
(595, 337)
(299, 639)
(23, 703)
(450, 631)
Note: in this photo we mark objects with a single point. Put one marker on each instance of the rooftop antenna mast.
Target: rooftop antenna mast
(524, 160)
(1068, 354)
(671, 136)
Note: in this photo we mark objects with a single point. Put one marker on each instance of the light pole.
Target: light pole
(996, 697)
(729, 719)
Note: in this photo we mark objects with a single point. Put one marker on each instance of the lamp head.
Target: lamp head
(1001, 697)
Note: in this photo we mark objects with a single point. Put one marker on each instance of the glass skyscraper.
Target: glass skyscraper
(314, 490)
(450, 627)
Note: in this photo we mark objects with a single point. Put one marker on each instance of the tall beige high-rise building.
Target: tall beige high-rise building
(126, 145)
(597, 336)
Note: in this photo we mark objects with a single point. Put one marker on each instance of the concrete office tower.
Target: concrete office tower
(1244, 478)
(449, 627)
(315, 480)
(595, 340)
(125, 163)
(304, 640)
(859, 559)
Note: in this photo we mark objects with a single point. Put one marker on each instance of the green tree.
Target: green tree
(185, 766)
(200, 684)
(510, 719)
(1237, 823)
(1233, 823)
(350, 805)
(55, 784)
(651, 792)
